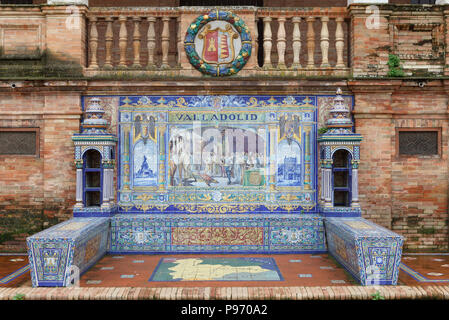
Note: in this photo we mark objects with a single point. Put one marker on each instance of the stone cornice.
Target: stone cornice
(367, 86)
(187, 86)
(228, 86)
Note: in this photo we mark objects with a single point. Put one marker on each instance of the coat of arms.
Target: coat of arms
(218, 43)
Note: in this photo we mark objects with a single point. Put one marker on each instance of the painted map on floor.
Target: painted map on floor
(216, 269)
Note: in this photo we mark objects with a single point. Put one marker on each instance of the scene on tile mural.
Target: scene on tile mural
(217, 144)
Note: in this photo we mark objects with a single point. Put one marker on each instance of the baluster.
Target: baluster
(123, 37)
(281, 43)
(324, 42)
(165, 41)
(179, 40)
(108, 41)
(151, 41)
(267, 43)
(310, 42)
(296, 42)
(136, 42)
(93, 42)
(339, 42)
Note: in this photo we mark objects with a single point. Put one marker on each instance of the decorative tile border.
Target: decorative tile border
(418, 276)
(15, 274)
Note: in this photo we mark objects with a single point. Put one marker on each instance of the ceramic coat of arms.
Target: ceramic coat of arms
(218, 43)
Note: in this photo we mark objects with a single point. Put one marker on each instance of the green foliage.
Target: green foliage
(19, 296)
(394, 65)
(322, 130)
(430, 230)
(6, 236)
(19, 223)
(378, 296)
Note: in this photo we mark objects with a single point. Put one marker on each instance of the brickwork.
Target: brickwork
(420, 183)
(66, 33)
(234, 293)
(407, 194)
(369, 45)
(37, 191)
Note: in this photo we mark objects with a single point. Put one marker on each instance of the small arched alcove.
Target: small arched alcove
(341, 178)
(93, 176)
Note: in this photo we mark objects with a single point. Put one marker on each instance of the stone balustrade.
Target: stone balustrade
(309, 41)
(286, 42)
(122, 38)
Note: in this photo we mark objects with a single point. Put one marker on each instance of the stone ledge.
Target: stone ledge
(230, 293)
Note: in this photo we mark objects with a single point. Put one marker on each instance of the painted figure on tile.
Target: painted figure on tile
(224, 156)
(180, 160)
(144, 127)
(289, 126)
(145, 163)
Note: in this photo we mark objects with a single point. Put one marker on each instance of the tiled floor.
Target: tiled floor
(14, 270)
(136, 270)
(293, 270)
(424, 269)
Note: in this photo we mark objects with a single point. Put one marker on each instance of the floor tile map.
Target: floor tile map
(216, 269)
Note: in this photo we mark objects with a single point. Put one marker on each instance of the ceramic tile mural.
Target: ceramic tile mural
(216, 154)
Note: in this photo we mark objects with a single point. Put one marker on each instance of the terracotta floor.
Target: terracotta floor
(431, 269)
(295, 269)
(136, 270)
(14, 270)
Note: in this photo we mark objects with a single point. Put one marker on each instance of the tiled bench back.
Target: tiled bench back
(211, 233)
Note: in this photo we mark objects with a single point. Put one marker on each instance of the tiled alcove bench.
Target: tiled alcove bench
(369, 252)
(79, 242)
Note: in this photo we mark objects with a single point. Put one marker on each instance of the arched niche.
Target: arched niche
(341, 178)
(92, 178)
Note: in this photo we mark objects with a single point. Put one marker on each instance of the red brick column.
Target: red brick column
(38, 191)
(369, 45)
(373, 120)
(61, 121)
(446, 39)
(66, 33)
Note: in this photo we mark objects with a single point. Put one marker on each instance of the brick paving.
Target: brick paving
(234, 293)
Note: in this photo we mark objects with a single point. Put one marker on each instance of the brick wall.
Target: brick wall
(407, 194)
(420, 183)
(37, 192)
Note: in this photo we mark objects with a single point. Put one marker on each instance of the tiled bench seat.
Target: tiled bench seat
(371, 253)
(79, 242)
